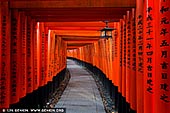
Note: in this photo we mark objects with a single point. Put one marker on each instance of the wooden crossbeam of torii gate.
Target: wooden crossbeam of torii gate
(71, 3)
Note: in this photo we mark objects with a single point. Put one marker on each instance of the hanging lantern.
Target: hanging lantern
(106, 32)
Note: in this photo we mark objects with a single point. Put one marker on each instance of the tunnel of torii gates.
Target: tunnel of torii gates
(37, 36)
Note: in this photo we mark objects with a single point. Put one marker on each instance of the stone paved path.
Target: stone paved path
(81, 94)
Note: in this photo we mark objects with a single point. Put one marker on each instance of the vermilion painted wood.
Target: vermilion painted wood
(133, 62)
(1, 52)
(114, 51)
(5, 55)
(161, 101)
(30, 58)
(35, 77)
(110, 66)
(118, 52)
(85, 24)
(121, 56)
(139, 57)
(149, 55)
(46, 54)
(24, 53)
(124, 58)
(39, 55)
(28, 4)
(56, 61)
(15, 57)
(128, 59)
(42, 54)
(52, 45)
